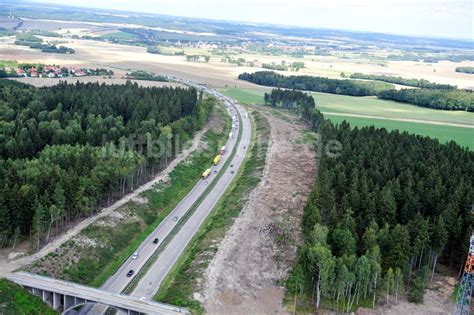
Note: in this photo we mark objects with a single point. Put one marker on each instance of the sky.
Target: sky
(434, 18)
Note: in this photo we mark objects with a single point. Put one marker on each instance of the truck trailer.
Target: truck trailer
(217, 159)
(206, 173)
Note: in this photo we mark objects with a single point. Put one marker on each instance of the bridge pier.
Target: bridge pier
(47, 297)
(57, 301)
(37, 292)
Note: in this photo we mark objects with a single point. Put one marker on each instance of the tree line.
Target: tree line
(420, 83)
(316, 84)
(381, 216)
(447, 99)
(283, 66)
(144, 75)
(34, 42)
(454, 99)
(71, 147)
(469, 70)
(302, 103)
(198, 58)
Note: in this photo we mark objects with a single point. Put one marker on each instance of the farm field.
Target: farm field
(382, 113)
(462, 136)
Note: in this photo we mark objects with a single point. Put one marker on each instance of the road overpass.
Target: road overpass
(65, 296)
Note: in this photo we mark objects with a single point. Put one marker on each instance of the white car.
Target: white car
(135, 255)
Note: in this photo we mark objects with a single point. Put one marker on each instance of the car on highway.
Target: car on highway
(155, 241)
(232, 172)
(130, 273)
(135, 255)
(175, 218)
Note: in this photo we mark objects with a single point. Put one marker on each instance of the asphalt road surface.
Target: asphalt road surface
(150, 282)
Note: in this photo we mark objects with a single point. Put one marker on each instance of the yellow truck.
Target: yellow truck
(217, 159)
(206, 173)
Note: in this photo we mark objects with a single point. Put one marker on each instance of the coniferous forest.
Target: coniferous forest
(71, 147)
(383, 213)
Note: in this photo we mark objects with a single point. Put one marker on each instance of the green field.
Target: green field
(246, 96)
(377, 107)
(371, 106)
(119, 36)
(462, 136)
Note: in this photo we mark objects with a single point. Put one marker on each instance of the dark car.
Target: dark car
(155, 241)
(130, 273)
(232, 172)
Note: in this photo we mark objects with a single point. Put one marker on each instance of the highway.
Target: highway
(149, 284)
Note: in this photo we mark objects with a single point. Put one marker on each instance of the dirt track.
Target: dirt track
(241, 279)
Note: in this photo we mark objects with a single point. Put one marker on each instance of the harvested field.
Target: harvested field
(260, 248)
(38, 82)
(217, 73)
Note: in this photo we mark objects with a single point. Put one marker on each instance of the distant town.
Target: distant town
(49, 71)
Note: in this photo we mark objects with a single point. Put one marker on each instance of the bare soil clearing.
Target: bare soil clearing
(242, 277)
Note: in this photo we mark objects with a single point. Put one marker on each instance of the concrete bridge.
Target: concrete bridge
(65, 296)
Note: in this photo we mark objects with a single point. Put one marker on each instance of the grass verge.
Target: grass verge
(178, 287)
(16, 300)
